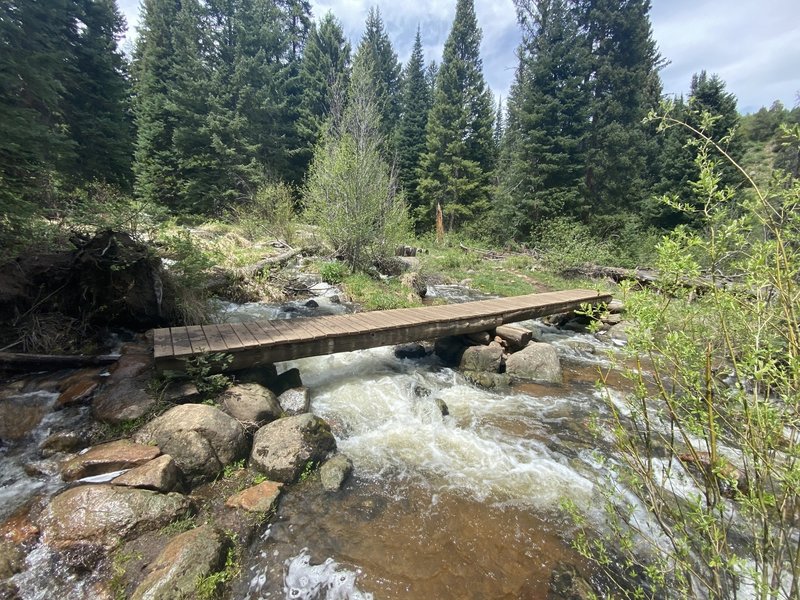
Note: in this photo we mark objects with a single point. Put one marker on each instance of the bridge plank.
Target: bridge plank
(197, 338)
(258, 332)
(180, 342)
(162, 343)
(247, 338)
(232, 340)
(215, 339)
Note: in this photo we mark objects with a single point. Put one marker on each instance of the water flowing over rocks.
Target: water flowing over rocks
(258, 498)
(335, 472)
(160, 474)
(106, 458)
(185, 560)
(200, 438)
(295, 401)
(104, 514)
(536, 362)
(251, 404)
(282, 448)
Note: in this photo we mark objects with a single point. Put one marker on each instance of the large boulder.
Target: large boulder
(124, 395)
(537, 362)
(106, 458)
(186, 559)
(105, 514)
(250, 403)
(482, 358)
(282, 448)
(449, 349)
(200, 438)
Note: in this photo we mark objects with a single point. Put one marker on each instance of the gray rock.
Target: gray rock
(185, 560)
(537, 362)
(442, 406)
(612, 319)
(295, 401)
(619, 332)
(63, 441)
(181, 392)
(263, 374)
(200, 438)
(580, 346)
(335, 471)
(482, 358)
(282, 448)
(105, 514)
(250, 403)
(615, 306)
(160, 474)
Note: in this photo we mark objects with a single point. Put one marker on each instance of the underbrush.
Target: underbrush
(374, 294)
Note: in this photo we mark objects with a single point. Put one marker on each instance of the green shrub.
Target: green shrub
(333, 272)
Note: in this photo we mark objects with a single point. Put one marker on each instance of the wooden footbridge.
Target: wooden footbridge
(261, 342)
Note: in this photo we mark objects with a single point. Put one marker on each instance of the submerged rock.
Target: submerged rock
(442, 406)
(490, 381)
(105, 514)
(105, 458)
(187, 558)
(295, 401)
(335, 472)
(160, 474)
(537, 362)
(250, 403)
(282, 448)
(200, 438)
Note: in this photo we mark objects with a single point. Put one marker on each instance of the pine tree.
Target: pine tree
(624, 88)
(97, 97)
(415, 104)
(431, 73)
(171, 162)
(380, 62)
(544, 156)
(34, 57)
(324, 76)
(499, 125)
(456, 168)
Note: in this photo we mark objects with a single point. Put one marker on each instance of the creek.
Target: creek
(458, 506)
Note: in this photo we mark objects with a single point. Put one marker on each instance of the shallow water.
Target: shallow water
(462, 506)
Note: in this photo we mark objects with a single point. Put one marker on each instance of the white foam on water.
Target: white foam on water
(326, 581)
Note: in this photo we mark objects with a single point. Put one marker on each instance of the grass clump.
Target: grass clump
(374, 294)
(208, 587)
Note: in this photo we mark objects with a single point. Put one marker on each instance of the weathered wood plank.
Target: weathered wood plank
(197, 338)
(244, 335)
(162, 343)
(180, 342)
(216, 341)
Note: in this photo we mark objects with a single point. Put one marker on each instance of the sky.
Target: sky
(753, 45)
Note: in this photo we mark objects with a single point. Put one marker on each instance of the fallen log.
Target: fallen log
(258, 268)
(20, 362)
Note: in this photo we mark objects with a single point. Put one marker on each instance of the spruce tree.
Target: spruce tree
(97, 97)
(624, 88)
(544, 156)
(382, 68)
(415, 104)
(324, 76)
(457, 164)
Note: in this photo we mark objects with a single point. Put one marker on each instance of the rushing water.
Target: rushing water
(458, 506)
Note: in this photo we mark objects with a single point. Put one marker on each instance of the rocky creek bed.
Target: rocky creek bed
(429, 470)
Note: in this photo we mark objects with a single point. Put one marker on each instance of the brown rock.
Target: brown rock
(160, 474)
(187, 558)
(259, 498)
(18, 528)
(120, 401)
(77, 393)
(105, 514)
(106, 458)
(11, 559)
(63, 441)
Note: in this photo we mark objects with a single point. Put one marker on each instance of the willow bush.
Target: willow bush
(703, 494)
